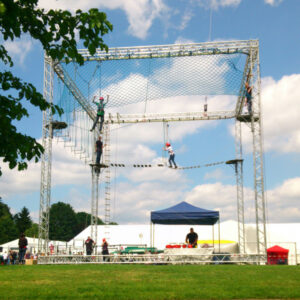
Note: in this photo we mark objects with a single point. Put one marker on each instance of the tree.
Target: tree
(55, 30)
(8, 229)
(23, 220)
(62, 222)
(84, 220)
(33, 231)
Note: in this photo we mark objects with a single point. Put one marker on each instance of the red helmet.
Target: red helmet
(101, 98)
(104, 240)
(168, 144)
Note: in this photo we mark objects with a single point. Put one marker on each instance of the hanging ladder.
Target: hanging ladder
(107, 179)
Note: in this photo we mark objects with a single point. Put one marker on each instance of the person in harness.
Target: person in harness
(248, 97)
(171, 155)
(100, 112)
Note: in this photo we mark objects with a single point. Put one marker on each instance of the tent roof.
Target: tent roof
(185, 213)
(277, 249)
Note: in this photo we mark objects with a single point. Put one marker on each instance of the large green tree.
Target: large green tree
(84, 220)
(62, 222)
(8, 229)
(33, 231)
(23, 220)
(55, 30)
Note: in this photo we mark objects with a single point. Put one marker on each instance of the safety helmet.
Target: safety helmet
(168, 144)
(104, 240)
(101, 98)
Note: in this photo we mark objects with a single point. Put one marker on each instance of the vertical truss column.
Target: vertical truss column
(95, 194)
(256, 128)
(46, 161)
(107, 180)
(240, 185)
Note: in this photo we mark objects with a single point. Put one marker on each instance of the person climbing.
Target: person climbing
(171, 155)
(248, 98)
(100, 112)
(98, 149)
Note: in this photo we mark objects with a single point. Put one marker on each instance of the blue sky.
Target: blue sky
(137, 192)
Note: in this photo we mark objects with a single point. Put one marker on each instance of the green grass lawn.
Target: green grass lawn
(149, 282)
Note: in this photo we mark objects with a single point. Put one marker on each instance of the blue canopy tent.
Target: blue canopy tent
(184, 214)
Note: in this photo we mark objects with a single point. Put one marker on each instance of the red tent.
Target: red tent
(277, 255)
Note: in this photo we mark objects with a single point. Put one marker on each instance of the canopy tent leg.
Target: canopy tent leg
(150, 234)
(213, 234)
(219, 233)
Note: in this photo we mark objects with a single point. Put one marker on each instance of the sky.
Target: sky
(137, 192)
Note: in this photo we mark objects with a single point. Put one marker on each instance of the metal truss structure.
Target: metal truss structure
(162, 259)
(45, 187)
(253, 121)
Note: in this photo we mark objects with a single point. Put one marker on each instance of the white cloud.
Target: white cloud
(187, 16)
(216, 174)
(273, 2)
(280, 115)
(65, 170)
(215, 4)
(283, 201)
(19, 49)
(140, 13)
(217, 196)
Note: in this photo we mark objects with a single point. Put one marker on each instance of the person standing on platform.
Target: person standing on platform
(105, 250)
(89, 245)
(248, 98)
(171, 155)
(100, 112)
(192, 238)
(98, 149)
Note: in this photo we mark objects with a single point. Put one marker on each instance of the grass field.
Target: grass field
(149, 282)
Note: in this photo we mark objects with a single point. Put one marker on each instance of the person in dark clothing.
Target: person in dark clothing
(248, 98)
(22, 248)
(105, 250)
(89, 244)
(98, 149)
(14, 257)
(192, 238)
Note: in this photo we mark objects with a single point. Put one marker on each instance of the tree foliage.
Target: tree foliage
(23, 220)
(62, 222)
(84, 220)
(55, 30)
(8, 229)
(33, 231)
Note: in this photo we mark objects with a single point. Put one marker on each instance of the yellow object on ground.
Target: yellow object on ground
(215, 241)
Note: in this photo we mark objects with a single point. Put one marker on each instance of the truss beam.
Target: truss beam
(147, 118)
(209, 48)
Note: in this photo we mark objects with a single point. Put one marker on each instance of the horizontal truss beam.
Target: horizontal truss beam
(209, 48)
(146, 118)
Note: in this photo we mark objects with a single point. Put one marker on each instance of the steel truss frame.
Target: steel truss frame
(154, 259)
(46, 161)
(251, 74)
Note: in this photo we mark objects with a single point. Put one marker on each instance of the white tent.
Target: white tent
(164, 234)
(32, 245)
(285, 235)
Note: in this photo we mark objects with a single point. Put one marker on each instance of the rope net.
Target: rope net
(130, 81)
